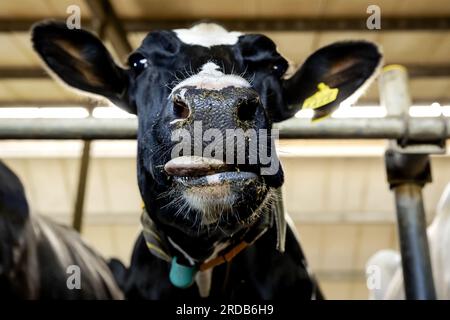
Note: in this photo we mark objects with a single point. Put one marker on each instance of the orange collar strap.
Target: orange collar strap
(227, 257)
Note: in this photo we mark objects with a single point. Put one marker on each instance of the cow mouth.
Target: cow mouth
(217, 189)
(194, 171)
(215, 179)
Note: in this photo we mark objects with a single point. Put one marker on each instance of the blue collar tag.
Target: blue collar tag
(181, 276)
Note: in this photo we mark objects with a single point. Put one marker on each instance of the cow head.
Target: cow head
(205, 81)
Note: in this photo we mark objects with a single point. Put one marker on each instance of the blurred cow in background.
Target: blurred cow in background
(39, 257)
(389, 261)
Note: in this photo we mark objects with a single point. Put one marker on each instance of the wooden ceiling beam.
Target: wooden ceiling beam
(257, 24)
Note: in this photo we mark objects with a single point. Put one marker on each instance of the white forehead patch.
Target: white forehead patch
(207, 35)
(210, 77)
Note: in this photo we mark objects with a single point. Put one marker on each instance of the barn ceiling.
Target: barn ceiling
(415, 33)
(199, 9)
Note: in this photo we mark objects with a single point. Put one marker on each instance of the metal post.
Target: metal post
(417, 272)
(407, 174)
(81, 190)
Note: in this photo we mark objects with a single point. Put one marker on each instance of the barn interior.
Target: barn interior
(336, 191)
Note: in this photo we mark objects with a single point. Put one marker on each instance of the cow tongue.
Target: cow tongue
(193, 166)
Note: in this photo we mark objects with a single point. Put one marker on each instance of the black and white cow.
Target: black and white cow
(38, 257)
(207, 219)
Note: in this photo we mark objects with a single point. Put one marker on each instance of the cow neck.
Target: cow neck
(184, 267)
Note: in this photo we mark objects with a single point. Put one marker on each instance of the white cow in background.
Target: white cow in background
(389, 261)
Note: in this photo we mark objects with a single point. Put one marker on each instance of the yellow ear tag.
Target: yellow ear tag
(324, 96)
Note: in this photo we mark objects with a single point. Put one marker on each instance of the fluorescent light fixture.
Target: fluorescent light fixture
(75, 112)
(446, 111)
(63, 112)
(345, 111)
(287, 151)
(19, 112)
(360, 112)
(111, 113)
(348, 112)
(433, 110)
(36, 113)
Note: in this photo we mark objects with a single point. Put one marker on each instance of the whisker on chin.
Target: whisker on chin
(208, 215)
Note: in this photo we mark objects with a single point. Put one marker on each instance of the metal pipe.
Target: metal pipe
(407, 173)
(63, 129)
(417, 271)
(420, 129)
(77, 222)
(394, 90)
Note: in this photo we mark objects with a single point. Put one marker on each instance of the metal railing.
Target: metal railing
(418, 129)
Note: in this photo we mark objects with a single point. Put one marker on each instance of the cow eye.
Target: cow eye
(137, 62)
(279, 68)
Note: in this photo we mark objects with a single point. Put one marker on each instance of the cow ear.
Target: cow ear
(80, 59)
(333, 74)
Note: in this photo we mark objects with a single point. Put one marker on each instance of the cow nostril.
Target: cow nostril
(246, 109)
(180, 109)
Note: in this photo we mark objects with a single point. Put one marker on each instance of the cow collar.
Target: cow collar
(182, 275)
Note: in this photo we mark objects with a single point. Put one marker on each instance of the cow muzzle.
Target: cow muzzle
(227, 108)
(215, 188)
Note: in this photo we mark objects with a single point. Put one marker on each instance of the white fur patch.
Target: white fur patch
(207, 35)
(203, 278)
(211, 200)
(210, 77)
